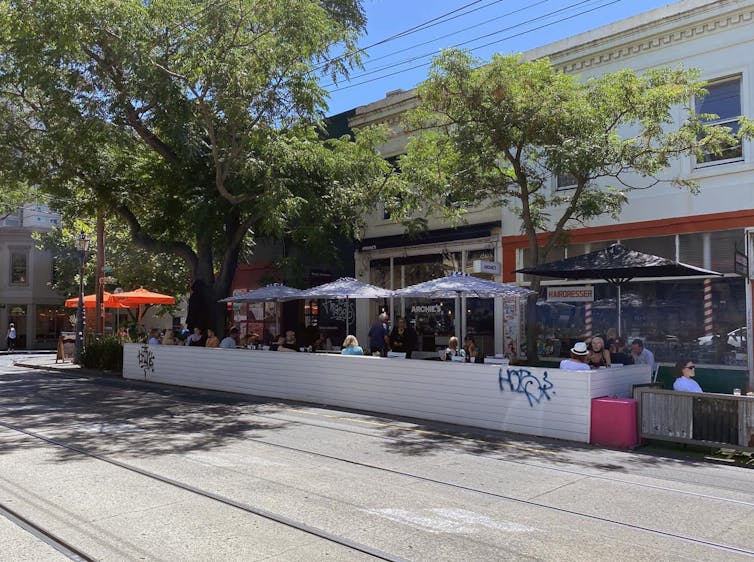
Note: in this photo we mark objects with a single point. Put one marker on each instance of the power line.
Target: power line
(425, 64)
(433, 53)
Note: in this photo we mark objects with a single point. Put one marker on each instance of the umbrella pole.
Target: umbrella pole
(619, 311)
(348, 316)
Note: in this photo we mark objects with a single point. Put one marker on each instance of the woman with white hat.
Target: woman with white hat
(577, 361)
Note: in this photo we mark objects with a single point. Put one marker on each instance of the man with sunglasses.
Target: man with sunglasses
(684, 382)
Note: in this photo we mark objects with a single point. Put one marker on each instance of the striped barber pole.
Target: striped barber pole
(588, 319)
(708, 326)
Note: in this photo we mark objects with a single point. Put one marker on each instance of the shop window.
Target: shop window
(691, 249)
(667, 315)
(663, 246)
(723, 244)
(724, 101)
(18, 268)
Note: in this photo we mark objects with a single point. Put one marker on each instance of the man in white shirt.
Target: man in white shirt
(577, 362)
(641, 355)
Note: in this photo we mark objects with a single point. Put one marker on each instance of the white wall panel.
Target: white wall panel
(465, 394)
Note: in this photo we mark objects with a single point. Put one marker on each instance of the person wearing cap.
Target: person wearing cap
(577, 361)
(231, 340)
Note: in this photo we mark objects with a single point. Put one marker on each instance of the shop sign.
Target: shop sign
(570, 294)
(489, 267)
(741, 264)
(431, 308)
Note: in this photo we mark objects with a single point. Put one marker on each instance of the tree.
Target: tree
(195, 123)
(501, 131)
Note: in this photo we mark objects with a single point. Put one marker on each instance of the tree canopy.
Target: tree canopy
(504, 130)
(194, 123)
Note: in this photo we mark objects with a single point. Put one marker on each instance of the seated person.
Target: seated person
(322, 343)
(351, 346)
(619, 353)
(212, 339)
(598, 355)
(452, 350)
(197, 338)
(231, 340)
(470, 349)
(288, 343)
(685, 370)
(154, 337)
(168, 338)
(577, 361)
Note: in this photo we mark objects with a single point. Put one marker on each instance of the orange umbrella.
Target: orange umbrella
(142, 296)
(90, 301)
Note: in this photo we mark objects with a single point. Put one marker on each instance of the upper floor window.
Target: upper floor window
(18, 267)
(565, 181)
(723, 100)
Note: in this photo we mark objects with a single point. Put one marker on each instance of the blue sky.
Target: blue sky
(487, 27)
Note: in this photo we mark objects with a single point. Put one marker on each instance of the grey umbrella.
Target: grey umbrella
(276, 292)
(346, 288)
(458, 284)
(617, 265)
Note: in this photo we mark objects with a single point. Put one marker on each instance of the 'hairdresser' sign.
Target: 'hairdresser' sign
(570, 294)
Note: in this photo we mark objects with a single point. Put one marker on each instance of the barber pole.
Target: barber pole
(708, 326)
(588, 319)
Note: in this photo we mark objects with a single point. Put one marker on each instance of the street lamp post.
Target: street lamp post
(82, 245)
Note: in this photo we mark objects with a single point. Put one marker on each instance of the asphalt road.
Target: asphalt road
(179, 474)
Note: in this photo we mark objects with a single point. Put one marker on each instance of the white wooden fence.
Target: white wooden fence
(533, 401)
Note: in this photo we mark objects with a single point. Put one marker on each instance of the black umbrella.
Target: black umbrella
(617, 265)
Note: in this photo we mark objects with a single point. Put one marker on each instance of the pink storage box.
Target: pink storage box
(613, 423)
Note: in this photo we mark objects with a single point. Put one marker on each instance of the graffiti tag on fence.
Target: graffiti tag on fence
(146, 360)
(524, 382)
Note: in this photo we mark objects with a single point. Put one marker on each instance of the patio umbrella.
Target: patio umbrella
(459, 284)
(276, 292)
(617, 265)
(346, 288)
(462, 285)
(141, 296)
(90, 301)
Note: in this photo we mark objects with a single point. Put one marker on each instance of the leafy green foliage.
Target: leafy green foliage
(103, 353)
(193, 123)
(502, 131)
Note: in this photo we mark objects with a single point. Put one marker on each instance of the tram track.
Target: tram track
(66, 549)
(375, 553)
(177, 408)
(74, 554)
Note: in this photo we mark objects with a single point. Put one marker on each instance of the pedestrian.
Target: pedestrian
(11, 338)
(378, 336)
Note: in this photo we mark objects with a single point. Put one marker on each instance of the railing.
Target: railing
(717, 420)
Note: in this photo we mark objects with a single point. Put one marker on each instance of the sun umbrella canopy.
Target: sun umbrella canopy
(276, 292)
(142, 296)
(346, 288)
(462, 285)
(616, 264)
(90, 301)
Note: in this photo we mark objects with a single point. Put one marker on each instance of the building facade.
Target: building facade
(704, 320)
(26, 299)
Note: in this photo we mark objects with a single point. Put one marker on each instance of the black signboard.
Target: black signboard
(741, 264)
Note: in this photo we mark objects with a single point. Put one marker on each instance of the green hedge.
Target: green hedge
(104, 353)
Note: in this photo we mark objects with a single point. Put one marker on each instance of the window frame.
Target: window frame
(701, 164)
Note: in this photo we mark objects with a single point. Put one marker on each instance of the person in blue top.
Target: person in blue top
(685, 371)
(351, 346)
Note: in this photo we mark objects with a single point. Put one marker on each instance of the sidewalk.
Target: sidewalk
(41, 359)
